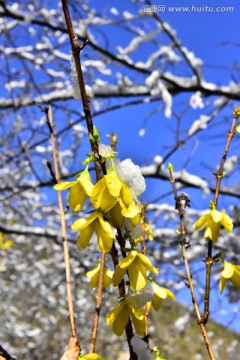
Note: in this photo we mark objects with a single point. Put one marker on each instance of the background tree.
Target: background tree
(141, 78)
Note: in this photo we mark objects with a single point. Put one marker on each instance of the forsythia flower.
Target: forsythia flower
(80, 190)
(110, 190)
(159, 294)
(92, 356)
(96, 223)
(94, 276)
(213, 222)
(231, 272)
(136, 264)
(120, 315)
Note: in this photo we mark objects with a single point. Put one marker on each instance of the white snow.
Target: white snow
(199, 124)
(140, 348)
(132, 175)
(196, 101)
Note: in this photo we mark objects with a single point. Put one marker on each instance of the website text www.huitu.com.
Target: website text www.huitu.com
(186, 9)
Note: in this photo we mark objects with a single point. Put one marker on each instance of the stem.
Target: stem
(219, 176)
(76, 49)
(63, 227)
(98, 297)
(181, 202)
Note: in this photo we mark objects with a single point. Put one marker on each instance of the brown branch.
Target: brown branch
(5, 355)
(181, 202)
(76, 49)
(64, 231)
(219, 176)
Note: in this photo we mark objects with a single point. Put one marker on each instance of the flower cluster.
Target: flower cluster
(116, 205)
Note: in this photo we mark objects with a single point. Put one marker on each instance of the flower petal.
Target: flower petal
(118, 275)
(139, 325)
(222, 284)
(81, 223)
(85, 180)
(137, 274)
(212, 230)
(227, 222)
(101, 197)
(121, 321)
(107, 279)
(228, 271)
(113, 183)
(105, 239)
(115, 312)
(64, 185)
(77, 197)
(216, 215)
(116, 219)
(145, 260)
(126, 262)
(201, 222)
(85, 237)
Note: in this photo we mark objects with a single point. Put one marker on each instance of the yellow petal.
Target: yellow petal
(212, 230)
(113, 183)
(77, 197)
(137, 274)
(92, 356)
(131, 211)
(227, 222)
(101, 197)
(216, 215)
(108, 274)
(201, 222)
(126, 195)
(125, 262)
(64, 185)
(134, 220)
(105, 239)
(83, 222)
(85, 237)
(105, 226)
(228, 271)
(145, 260)
(222, 284)
(139, 325)
(116, 219)
(156, 302)
(159, 291)
(118, 275)
(85, 180)
(121, 321)
(93, 272)
(115, 312)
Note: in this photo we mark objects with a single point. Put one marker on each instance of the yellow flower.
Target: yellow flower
(5, 244)
(92, 356)
(96, 223)
(80, 189)
(119, 316)
(231, 272)
(94, 276)
(213, 222)
(159, 294)
(148, 231)
(136, 264)
(110, 190)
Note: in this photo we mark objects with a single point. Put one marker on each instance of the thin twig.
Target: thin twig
(64, 230)
(181, 202)
(76, 49)
(219, 176)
